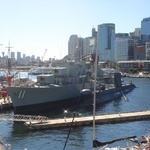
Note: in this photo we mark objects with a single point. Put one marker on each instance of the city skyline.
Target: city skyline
(33, 26)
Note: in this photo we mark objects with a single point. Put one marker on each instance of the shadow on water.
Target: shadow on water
(82, 110)
(19, 128)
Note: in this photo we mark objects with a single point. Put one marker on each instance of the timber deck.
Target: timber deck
(82, 121)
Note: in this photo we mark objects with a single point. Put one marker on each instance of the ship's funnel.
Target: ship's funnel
(9, 78)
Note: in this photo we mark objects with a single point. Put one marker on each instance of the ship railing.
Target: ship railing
(18, 117)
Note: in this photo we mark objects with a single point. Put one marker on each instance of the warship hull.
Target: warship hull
(34, 100)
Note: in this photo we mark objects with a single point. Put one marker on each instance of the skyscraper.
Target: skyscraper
(72, 46)
(105, 42)
(124, 49)
(147, 46)
(145, 29)
(137, 32)
(12, 55)
(18, 57)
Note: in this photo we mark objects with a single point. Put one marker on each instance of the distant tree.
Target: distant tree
(134, 70)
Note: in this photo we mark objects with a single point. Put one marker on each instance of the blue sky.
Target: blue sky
(31, 26)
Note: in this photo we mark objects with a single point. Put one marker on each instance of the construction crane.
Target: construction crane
(44, 55)
(41, 61)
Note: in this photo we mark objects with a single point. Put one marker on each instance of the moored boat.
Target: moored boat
(39, 70)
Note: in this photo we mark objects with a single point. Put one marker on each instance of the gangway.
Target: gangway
(24, 118)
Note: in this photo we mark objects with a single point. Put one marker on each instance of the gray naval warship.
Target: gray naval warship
(70, 85)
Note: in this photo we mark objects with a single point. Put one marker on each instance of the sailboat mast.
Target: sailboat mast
(94, 100)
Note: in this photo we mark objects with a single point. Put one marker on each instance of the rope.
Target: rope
(74, 113)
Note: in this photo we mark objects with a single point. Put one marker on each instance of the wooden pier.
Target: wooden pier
(82, 121)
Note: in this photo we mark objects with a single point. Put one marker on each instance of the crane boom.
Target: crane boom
(44, 54)
(41, 61)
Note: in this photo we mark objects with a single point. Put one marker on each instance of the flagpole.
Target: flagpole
(94, 100)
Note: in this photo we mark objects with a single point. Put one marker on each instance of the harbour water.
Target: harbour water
(81, 137)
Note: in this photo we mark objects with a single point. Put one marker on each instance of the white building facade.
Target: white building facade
(137, 32)
(124, 49)
(88, 46)
(72, 46)
(121, 49)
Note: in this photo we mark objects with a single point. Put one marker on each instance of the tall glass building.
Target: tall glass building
(105, 42)
(124, 49)
(145, 29)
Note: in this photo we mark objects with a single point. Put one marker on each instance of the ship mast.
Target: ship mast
(8, 61)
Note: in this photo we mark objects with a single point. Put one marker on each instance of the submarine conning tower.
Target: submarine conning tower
(117, 79)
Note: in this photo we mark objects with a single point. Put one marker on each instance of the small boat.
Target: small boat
(133, 143)
(39, 70)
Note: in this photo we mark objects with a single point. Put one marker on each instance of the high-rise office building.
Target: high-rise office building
(137, 32)
(24, 56)
(72, 46)
(145, 29)
(79, 50)
(122, 35)
(19, 57)
(139, 52)
(94, 33)
(105, 42)
(147, 47)
(86, 48)
(124, 49)
(12, 54)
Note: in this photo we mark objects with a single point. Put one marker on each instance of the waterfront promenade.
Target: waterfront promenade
(138, 75)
